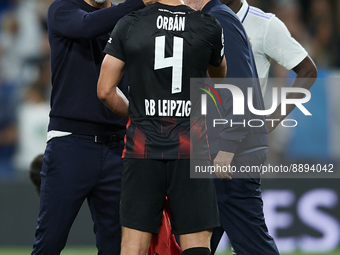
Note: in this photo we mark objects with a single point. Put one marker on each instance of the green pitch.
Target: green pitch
(335, 252)
(93, 251)
(66, 251)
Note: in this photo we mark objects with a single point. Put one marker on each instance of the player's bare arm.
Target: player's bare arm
(111, 73)
(306, 74)
(147, 2)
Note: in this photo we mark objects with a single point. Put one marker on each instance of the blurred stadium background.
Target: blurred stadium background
(303, 215)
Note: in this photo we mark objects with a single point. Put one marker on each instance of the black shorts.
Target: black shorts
(146, 183)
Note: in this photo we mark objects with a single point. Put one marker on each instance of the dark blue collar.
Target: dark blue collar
(210, 5)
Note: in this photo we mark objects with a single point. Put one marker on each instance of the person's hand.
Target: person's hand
(147, 2)
(222, 165)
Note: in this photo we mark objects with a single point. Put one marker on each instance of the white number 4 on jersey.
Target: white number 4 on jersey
(175, 61)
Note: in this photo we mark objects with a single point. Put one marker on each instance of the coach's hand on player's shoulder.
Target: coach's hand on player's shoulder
(147, 2)
(222, 165)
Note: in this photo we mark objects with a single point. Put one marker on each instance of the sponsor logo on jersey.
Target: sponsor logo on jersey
(167, 108)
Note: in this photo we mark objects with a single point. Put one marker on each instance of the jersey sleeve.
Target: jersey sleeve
(115, 44)
(218, 44)
(281, 46)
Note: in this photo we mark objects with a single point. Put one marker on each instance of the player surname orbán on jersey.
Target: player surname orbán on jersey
(162, 47)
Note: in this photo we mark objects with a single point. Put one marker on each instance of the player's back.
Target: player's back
(163, 47)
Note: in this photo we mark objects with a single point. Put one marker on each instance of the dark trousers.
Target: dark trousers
(241, 210)
(76, 168)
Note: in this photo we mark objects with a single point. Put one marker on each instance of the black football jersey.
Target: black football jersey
(163, 47)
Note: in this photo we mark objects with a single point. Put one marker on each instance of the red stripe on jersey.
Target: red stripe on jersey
(197, 139)
(184, 144)
(127, 126)
(196, 130)
(139, 144)
(162, 136)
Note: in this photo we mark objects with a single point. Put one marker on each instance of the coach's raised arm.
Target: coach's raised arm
(67, 19)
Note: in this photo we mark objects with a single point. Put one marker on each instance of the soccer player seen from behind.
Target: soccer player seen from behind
(159, 47)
